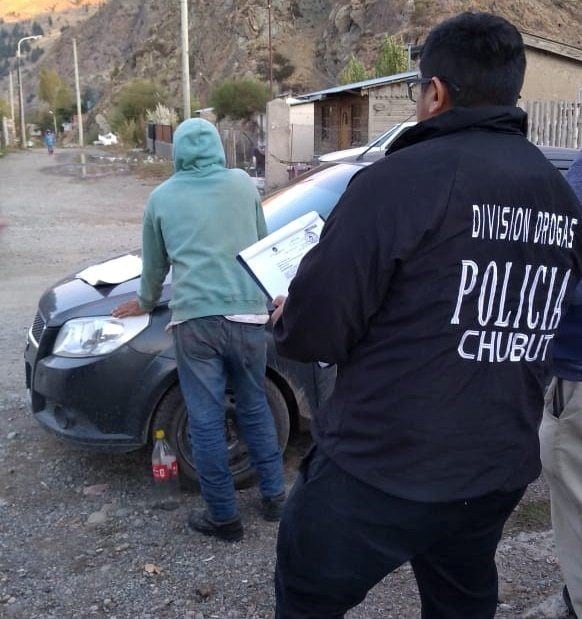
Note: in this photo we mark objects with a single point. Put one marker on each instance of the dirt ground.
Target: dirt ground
(78, 536)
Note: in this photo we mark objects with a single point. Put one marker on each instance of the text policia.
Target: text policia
(513, 327)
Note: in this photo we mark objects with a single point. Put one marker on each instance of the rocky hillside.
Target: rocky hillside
(312, 39)
(359, 25)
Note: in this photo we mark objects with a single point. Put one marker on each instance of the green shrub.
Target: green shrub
(131, 132)
(162, 115)
(392, 58)
(283, 69)
(354, 71)
(92, 134)
(127, 117)
(4, 109)
(239, 98)
(136, 97)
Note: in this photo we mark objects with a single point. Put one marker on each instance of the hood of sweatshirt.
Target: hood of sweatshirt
(197, 147)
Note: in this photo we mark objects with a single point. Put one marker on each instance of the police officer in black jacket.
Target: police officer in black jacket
(437, 288)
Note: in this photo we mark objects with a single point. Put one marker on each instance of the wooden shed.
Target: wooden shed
(351, 115)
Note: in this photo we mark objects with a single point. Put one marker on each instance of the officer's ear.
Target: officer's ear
(434, 99)
(437, 98)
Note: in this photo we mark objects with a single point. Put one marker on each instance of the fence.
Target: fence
(159, 140)
(554, 123)
(7, 133)
(238, 146)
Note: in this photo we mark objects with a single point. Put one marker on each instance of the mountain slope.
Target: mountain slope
(121, 39)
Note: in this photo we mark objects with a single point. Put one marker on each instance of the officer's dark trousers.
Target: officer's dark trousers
(338, 537)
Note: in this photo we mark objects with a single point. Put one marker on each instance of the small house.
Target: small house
(351, 115)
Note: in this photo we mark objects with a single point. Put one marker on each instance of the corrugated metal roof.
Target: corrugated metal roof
(378, 81)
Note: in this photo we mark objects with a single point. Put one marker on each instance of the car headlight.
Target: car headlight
(97, 335)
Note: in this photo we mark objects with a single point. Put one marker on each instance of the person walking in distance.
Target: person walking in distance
(561, 437)
(49, 141)
(197, 222)
(437, 289)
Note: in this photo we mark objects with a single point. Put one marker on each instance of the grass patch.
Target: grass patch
(531, 516)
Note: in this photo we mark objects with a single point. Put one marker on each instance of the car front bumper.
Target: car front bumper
(103, 403)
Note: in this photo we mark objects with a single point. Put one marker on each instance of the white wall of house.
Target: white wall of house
(549, 77)
(389, 105)
(302, 119)
(553, 71)
(289, 139)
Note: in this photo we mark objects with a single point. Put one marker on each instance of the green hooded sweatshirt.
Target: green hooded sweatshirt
(197, 222)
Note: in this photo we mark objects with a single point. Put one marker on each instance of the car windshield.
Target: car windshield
(318, 190)
(381, 140)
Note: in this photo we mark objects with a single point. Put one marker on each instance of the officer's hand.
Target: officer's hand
(278, 304)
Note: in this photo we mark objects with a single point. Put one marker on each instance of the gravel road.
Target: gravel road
(78, 535)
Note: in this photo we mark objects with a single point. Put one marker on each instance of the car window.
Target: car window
(316, 191)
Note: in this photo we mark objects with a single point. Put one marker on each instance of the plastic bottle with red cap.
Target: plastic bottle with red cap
(165, 473)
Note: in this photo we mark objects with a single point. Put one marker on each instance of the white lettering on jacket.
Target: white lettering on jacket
(485, 293)
(494, 222)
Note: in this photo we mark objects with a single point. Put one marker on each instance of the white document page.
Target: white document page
(113, 271)
(274, 260)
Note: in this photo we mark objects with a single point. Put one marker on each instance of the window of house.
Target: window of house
(325, 122)
(357, 137)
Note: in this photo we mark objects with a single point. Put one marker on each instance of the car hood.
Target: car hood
(74, 298)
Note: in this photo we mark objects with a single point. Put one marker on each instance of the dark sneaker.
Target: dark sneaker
(272, 507)
(231, 531)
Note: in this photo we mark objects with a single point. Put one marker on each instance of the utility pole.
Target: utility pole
(78, 90)
(270, 53)
(11, 91)
(185, 61)
(20, 94)
(20, 102)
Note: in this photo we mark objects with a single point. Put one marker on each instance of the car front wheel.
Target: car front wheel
(172, 417)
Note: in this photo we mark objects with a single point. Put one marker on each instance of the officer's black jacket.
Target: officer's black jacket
(437, 287)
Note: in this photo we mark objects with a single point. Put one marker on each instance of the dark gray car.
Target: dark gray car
(105, 383)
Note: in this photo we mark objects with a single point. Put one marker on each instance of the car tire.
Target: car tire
(171, 416)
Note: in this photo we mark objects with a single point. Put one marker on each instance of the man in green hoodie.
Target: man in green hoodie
(197, 222)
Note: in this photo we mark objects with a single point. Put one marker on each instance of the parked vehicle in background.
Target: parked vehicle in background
(371, 149)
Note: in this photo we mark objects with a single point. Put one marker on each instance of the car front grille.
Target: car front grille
(37, 328)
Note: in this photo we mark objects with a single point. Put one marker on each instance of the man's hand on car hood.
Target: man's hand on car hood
(129, 308)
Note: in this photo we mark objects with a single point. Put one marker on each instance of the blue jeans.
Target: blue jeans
(208, 351)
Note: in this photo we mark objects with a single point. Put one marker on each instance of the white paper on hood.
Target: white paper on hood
(113, 271)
